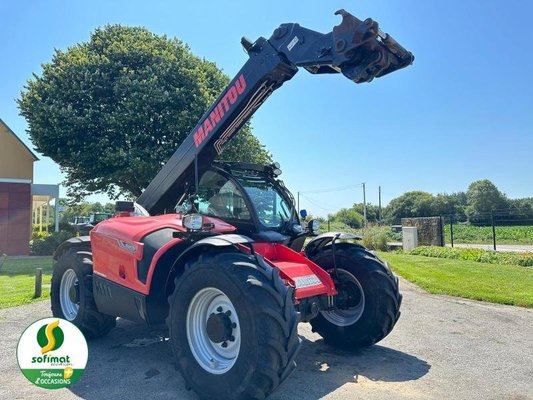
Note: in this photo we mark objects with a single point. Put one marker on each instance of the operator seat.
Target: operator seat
(218, 208)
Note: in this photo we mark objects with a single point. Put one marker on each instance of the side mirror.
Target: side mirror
(313, 226)
(303, 213)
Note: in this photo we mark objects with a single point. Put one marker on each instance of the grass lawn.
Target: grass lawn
(17, 280)
(506, 284)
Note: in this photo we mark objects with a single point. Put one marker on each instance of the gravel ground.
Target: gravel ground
(442, 348)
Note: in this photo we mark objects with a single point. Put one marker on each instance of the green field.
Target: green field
(483, 234)
(506, 284)
(17, 280)
(461, 233)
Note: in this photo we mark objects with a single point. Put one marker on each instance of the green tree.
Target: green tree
(520, 211)
(112, 110)
(372, 211)
(455, 203)
(410, 204)
(483, 197)
(348, 216)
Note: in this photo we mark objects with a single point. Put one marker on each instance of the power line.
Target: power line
(337, 189)
(313, 202)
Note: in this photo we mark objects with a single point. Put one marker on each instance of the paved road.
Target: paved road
(442, 348)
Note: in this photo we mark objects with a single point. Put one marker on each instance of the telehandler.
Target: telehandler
(217, 249)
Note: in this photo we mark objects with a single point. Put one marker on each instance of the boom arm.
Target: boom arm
(357, 49)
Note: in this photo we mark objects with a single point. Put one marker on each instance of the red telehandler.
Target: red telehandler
(217, 249)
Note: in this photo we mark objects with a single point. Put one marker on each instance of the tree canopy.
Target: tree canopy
(475, 205)
(372, 211)
(423, 204)
(112, 110)
(410, 204)
(483, 197)
(348, 216)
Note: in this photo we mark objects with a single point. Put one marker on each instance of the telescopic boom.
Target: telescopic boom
(357, 49)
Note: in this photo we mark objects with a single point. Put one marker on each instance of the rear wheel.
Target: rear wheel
(72, 293)
(368, 303)
(233, 327)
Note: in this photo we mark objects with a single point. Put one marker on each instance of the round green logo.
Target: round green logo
(52, 353)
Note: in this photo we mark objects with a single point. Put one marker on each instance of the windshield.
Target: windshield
(271, 208)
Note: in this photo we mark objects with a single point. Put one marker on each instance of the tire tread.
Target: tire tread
(387, 310)
(92, 323)
(275, 315)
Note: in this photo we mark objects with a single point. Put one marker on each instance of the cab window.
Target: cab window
(220, 197)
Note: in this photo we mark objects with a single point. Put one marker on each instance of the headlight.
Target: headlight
(193, 222)
(313, 226)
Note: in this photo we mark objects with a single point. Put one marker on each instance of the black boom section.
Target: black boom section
(357, 49)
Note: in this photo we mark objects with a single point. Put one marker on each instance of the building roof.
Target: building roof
(8, 129)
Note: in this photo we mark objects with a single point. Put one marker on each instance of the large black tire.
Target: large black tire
(88, 319)
(374, 315)
(267, 326)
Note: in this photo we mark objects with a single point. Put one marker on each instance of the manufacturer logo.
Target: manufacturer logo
(52, 353)
(223, 106)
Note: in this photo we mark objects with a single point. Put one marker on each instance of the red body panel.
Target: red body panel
(117, 248)
(300, 272)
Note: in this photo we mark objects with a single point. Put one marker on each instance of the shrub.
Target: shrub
(39, 230)
(3, 258)
(479, 255)
(375, 239)
(46, 245)
(335, 226)
(39, 235)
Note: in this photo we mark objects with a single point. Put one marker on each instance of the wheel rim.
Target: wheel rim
(69, 294)
(346, 317)
(213, 331)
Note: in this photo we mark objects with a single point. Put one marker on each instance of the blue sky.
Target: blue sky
(462, 112)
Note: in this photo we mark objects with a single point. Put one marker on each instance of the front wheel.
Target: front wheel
(233, 327)
(72, 293)
(368, 300)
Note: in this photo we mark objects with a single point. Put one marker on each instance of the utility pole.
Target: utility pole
(379, 204)
(364, 204)
(298, 202)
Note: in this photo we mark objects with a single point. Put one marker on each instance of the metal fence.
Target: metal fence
(497, 228)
